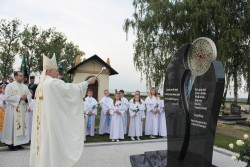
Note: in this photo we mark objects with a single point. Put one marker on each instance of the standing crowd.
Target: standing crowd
(118, 116)
(115, 112)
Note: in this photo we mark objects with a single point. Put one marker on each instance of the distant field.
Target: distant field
(229, 100)
(240, 100)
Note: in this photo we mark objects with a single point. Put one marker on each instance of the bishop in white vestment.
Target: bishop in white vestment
(16, 126)
(58, 126)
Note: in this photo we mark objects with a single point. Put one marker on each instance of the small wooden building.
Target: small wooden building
(91, 67)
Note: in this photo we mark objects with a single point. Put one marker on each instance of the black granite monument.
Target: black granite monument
(193, 91)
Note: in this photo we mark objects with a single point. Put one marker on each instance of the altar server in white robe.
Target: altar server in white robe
(16, 126)
(57, 130)
(125, 115)
(116, 127)
(90, 107)
(137, 92)
(152, 116)
(137, 116)
(162, 119)
(105, 103)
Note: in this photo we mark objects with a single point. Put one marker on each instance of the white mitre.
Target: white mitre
(49, 63)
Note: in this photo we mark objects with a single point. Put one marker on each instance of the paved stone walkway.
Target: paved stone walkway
(112, 154)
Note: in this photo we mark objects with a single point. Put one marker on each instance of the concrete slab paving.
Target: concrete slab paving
(113, 154)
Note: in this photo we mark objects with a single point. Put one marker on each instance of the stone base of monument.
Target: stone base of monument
(150, 159)
(231, 117)
(157, 159)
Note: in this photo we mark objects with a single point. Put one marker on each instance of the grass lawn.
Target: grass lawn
(105, 138)
(220, 140)
(223, 141)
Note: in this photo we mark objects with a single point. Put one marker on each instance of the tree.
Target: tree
(70, 52)
(33, 43)
(246, 71)
(29, 46)
(161, 27)
(49, 42)
(52, 42)
(37, 42)
(9, 45)
(151, 51)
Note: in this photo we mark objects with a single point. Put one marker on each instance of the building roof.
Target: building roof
(95, 57)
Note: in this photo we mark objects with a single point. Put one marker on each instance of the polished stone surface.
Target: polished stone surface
(204, 108)
(174, 107)
(192, 105)
(139, 161)
(157, 158)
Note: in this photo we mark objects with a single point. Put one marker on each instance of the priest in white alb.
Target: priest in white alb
(15, 129)
(58, 126)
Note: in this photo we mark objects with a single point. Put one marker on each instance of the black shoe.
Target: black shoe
(12, 148)
(19, 147)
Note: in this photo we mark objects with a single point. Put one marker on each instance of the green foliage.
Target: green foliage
(9, 45)
(222, 141)
(34, 42)
(243, 149)
(161, 27)
(245, 153)
(37, 42)
(69, 50)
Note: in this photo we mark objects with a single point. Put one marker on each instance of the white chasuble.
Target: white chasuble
(58, 129)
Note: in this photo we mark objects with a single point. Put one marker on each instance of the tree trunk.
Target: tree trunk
(226, 88)
(156, 87)
(248, 98)
(235, 85)
(248, 84)
(248, 88)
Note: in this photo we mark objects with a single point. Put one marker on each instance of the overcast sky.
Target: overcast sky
(94, 25)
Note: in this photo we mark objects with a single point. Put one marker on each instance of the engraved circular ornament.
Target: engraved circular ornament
(200, 56)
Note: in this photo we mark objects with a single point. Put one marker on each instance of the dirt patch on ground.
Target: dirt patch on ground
(233, 130)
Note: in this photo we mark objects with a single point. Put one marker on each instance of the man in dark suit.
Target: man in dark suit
(32, 86)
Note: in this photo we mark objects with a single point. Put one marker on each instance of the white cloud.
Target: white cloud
(96, 26)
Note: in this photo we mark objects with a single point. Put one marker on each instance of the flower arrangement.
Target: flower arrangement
(118, 104)
(227, 112)
(156, 106)
(244, 153)
(222, 106)
(248, 120)
(95, 106)
(137, 109)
